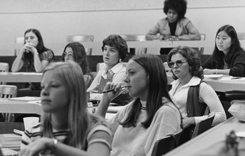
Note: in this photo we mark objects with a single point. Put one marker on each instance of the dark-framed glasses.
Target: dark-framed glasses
(178, 63)
(68, 54)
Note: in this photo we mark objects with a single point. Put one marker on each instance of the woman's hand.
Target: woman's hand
(41, 145)
(210, 71)
(116, 87)
(28, 47)
(188, 122)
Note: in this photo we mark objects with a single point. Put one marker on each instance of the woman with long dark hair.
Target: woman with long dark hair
(150, 116)
(228, 57)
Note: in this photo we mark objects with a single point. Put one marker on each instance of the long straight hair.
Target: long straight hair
(158, 88)
(219, 56)
(78, 117)
(40, 46)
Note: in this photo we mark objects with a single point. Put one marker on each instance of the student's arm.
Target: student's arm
(95, 149)
(153, 33)
(193, 33)
(107, 97)
(208, 96)
(18, 62)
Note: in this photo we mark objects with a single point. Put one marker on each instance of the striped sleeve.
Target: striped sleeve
(100, 134)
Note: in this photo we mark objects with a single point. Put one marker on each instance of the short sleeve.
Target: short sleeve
(47, 55)
(100, 134)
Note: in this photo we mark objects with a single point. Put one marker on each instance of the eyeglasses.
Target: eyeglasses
(70, 53)
(178, 63)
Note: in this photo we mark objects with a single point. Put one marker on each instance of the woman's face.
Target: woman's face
(172, 16)
(137, 80)
(180, 66)
(54, 94)
(110, 56)
(223, 41)
(31, 38)
(68, 54)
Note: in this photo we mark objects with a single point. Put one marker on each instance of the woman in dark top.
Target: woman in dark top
(228, 57)
(175, 26)
(33, 56)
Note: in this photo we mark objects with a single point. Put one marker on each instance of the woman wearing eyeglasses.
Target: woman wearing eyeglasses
(75, 51)
(189, 93)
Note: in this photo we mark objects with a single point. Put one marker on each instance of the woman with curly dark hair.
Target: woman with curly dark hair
(189, 93)
(175, 26)
(228, 56)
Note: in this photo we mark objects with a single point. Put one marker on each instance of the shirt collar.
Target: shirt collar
(193, 82)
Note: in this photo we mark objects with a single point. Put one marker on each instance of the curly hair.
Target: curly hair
(117, 42)
(192, 59)
(180, 6)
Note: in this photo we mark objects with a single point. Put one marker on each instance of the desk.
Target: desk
(20, 77)
(14, 106)
(204, 140)
(221, 85)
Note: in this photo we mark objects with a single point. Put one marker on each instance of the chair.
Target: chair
(201, 49)
(81, 38)
(203, 126)
(4, 67)
(19, 41)
(241, 35)
(135, 37)
(8, 91)
(166, 144)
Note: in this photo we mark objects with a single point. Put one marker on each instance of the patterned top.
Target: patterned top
(99, 132)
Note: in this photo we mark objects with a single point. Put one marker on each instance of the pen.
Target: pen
(110, 90)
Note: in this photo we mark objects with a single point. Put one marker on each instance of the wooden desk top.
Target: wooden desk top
(221, 85)
(20, 77)
(14, 106)
(212, 136)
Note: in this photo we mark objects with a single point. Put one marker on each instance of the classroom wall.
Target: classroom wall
(58, 18)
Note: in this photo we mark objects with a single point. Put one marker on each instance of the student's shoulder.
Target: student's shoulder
(168, 107)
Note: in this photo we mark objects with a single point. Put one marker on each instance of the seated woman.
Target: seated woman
(191, 95)
(76, 52)
(148, 118)
(175, 26)
(66, 127)
(33, 56)
(112, 70)
(228, 57)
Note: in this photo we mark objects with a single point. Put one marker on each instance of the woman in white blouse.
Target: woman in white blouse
(187, 72)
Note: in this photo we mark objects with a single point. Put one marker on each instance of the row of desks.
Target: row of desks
(156, 44)
(217, 84)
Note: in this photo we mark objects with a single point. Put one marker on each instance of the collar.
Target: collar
(193, 82)
(114, 69)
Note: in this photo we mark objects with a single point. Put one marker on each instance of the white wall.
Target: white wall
(58, 18)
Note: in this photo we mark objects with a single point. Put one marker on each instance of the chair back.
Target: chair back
(4, 67)
(81, 38)
(201, 49)
(135, 37)
(203, 126)
(241, 35)
(166, 144)
(8, 91)
(18, 41)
